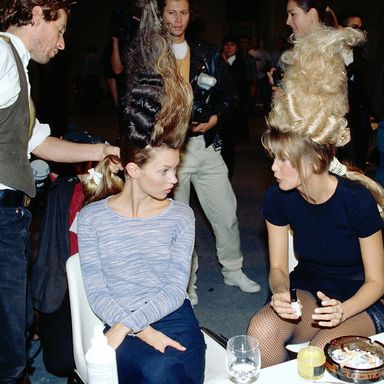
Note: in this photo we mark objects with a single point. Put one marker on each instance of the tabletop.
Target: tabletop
(271, 375)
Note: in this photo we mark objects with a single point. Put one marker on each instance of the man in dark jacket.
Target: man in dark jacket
(202, 164)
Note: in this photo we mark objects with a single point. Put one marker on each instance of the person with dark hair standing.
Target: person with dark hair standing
(359, 101)
(135, 244)
(30, 30)
(122, 30)
(202, 164)
(236, 126)
(306, 15)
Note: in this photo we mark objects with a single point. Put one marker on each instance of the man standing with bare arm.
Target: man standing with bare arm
(31, 29)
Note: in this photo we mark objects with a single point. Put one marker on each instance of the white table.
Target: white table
(282, 373)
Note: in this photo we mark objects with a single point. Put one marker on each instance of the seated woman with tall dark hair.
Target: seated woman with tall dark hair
(136, 244)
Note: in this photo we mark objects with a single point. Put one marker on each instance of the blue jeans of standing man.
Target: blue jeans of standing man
(14, 239)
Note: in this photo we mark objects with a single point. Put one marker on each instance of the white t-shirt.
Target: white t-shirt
(180, 50)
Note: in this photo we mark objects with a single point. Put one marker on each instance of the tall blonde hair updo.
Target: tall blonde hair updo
(307, 120)
(313, 99)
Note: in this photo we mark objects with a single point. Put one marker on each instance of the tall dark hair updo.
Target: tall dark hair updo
(143, 108)
(158, 103)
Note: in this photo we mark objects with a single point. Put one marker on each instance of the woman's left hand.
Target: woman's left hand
(159, 340)
(330, 314)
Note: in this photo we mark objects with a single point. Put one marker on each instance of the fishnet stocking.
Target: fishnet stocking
(275, 333)
(360, 324)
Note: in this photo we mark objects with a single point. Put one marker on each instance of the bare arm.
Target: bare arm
(55, 149)
(373, 288)
(333, 311)
(278, 258)
(278, 273)
(117, 66)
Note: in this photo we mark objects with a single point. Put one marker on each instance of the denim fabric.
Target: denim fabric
(376, 311)
(139, 363)
(14, 239)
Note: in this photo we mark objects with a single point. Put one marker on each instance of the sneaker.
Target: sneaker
(239, 279)
(193, 298)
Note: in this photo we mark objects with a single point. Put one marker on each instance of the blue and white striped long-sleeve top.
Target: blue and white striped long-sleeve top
(135, 270)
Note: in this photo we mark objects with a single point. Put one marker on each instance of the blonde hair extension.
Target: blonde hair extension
(109, 184)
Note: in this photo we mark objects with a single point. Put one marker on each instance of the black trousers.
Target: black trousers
(56, 340)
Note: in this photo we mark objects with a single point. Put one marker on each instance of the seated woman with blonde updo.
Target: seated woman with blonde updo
(332, 210)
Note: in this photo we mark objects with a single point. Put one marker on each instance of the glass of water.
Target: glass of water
(243, 359)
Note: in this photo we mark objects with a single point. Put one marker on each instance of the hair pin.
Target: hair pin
(337, 168)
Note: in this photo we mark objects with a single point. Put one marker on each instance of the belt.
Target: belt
(13, 199)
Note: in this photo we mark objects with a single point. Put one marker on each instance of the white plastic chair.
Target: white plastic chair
(292, 262)
(84, 320)
(215, 358)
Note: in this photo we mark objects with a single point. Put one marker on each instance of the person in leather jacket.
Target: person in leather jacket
(202, 164)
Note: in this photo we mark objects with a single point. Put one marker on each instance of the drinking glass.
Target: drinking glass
(243, 359)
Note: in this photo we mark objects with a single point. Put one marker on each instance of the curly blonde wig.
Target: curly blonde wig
(313, 98)
(307, 120)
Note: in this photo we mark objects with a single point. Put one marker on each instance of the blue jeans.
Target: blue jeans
(139, 363)
(14, 240)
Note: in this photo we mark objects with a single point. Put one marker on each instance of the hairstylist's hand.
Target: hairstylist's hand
(106, 149)
(158, 340)
(115, 164)
(281, 304)
(204, 127)
(330, 313)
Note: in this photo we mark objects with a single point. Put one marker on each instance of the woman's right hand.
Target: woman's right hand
(158, 340)
(281, 304)
(116, 334)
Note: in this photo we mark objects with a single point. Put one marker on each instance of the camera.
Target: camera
(202, 111)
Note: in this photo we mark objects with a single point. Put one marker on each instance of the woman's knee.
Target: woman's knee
(265, 323)
(169, 371)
